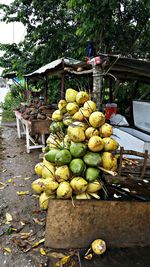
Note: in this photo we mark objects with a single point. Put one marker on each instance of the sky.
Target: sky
(11, 32)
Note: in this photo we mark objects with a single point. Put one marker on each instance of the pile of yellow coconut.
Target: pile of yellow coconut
(78, 145)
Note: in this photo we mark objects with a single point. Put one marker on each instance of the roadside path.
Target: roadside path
(17, 173)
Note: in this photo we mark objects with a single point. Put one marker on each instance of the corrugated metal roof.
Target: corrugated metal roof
(122, 68)
(53, 65)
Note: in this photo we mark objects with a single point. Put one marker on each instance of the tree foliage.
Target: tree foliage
(116, 26)
(50, 34)
(62, 28)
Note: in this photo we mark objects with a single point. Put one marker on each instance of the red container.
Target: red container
(110, 109)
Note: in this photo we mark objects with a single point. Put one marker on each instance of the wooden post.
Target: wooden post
(62, 85)
(120, 160)
(46, 88)
(110, 90)
(97, 85)
(144, 164)
(62, 81)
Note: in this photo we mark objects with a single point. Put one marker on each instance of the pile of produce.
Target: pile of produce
(36, 110)
(79, 144)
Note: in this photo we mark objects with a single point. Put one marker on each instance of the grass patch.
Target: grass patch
(10, 104)
(8, 116)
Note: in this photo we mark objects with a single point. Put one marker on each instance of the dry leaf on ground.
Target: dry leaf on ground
(2, 185)
(22, 193)
(38, 243)
(25, 235)
(42, 251)
(27, 178)
(8, 217)
(63, 261)
(38, 221)
(58, 255)
(7, 249)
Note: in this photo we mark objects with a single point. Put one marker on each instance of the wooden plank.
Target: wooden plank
(119, 223)
(40, 126)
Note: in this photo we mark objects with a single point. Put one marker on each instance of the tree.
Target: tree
(50, 34)
(120, 27)
(58, 28)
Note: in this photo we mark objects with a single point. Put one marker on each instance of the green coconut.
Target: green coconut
(92, 159)
(78, 150)
(92, 174)
(50, 156)
(77, 166)
(63, 157)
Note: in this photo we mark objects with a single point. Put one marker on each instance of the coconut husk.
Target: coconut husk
(41, 116)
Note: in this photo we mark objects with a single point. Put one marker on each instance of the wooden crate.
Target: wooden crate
(40, 126)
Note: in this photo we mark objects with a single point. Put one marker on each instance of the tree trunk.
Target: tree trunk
(97, 85)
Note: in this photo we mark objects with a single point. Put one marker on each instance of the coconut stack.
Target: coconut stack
(36, 110)
(79, 145)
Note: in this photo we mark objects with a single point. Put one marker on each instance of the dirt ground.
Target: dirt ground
(17, 172)
(22, 224)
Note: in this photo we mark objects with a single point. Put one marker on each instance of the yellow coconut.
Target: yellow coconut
(48, 171)
(64, 190)
(97, 119)
(67, 120)
(83, 196)
(50, 186)
(38, 169)
(91, 132)
(78, 116)
(90, 105)
(94, 186)
(76, 134)
(72, 108)
(79, 124)
(70, 95)
(38, 185)
(106, 130)
(53, 141)
(82, 97)
(47, 163)
(85, 112)
(79, 184)
(110, 144)
(57, 115)
(62, 106)
(43, 200)
(66, 141)
(98, 246)
(96, 144)
(109, 162)
(62, 173)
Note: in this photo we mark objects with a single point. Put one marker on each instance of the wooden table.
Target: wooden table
(33, 130)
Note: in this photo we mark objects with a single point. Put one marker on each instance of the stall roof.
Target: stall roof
(55, 67)
(9, 75)
(122, 68)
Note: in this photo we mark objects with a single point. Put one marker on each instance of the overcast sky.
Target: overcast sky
(11, 32)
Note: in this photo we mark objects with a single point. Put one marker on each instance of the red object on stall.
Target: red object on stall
(110, 109)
